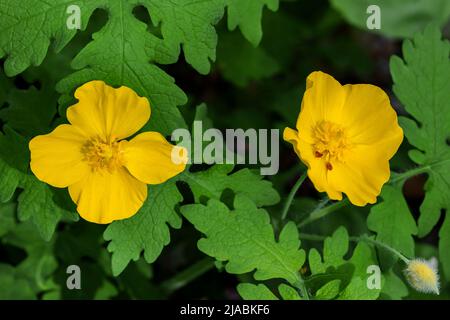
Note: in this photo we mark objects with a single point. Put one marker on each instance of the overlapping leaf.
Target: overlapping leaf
(244, 238)
(354, 271)
(393, 222)
(422, 83)
(148, 230)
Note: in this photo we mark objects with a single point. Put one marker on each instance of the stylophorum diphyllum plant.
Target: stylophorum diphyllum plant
(88, 176)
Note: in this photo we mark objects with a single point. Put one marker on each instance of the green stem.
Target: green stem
(301, 286)
(381, 245)
(291, 195)
(322, 212)
(187, 275)
(408, 174)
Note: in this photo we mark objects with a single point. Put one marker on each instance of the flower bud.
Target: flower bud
(423, 275)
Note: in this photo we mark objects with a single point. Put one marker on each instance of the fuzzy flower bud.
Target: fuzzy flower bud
(423, 275)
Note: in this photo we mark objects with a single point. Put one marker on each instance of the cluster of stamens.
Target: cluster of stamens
(102, 155)
(330, 142)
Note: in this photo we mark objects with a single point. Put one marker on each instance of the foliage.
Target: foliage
(222, 223)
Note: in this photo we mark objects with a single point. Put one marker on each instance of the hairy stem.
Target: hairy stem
(291, 195)
(322, 212)
(380, 244)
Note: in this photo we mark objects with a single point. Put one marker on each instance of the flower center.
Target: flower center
(102, 155)
(330, 142)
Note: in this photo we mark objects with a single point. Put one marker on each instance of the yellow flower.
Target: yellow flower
(423, 275)
(346, 136)
(106, 175)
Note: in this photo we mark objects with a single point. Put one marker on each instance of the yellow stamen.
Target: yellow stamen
(330, 142)
(102, 155)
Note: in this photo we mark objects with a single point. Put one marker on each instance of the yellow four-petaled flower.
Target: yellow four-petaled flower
(107, 176)
(346, 135)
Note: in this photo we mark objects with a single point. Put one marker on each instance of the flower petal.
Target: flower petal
(370, 118)
(56, 157)
(323, 100)
(362, 176)
(317, 171)
(151, 159)
(108, 112)
(103, 197)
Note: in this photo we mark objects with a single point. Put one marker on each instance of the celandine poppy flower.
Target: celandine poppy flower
(106, 175)
(346, 136)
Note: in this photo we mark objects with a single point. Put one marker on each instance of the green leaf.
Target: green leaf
(245, 238)
(398, 18)
(250, 291)
(288, 293)
(123, 52)
(393, 222)
(40, 263)
(212, 182)
(147, 230)
(248, 15)
(241, 63)
(7, 217)
(189, 23)
(394, 288)
(354, 269)
(25, 115)
(44, 206)
(329, 291)
(421, 82)
(14, 285)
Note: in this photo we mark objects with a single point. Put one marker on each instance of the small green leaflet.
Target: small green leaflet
(354, 270)
(147, 230)
(393, 222)
(212, 182)
(14, 285)
(241, 63)
(247, 15)
(245, 239)
(394, 288)
(328, 291)
(401, 19)
(40, 264)
(422, 83)
(249, 291)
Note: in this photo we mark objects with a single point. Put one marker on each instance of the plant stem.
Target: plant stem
(408, 174)
(291, 195)
(382, 245)
(187, 275)
(300, 285)
(322, 212)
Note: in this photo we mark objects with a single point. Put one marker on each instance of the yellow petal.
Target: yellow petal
(323, 100)
(362, 176)
(369, 117)
(108, 112)
(103, 197)
(317, 171)
(56, 157)
(148, 157)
